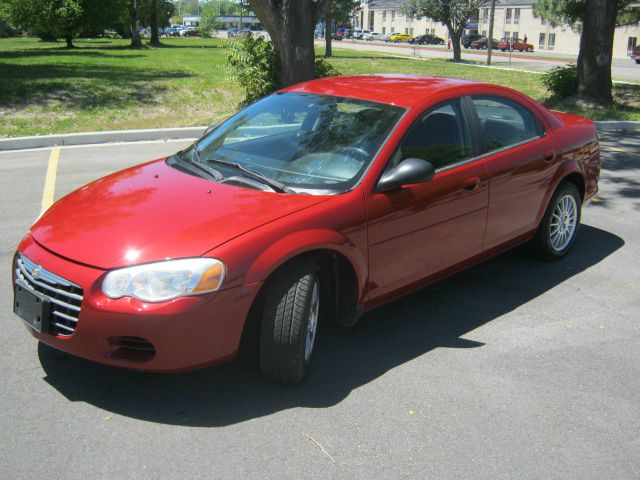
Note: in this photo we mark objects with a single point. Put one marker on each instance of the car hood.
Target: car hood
(153, 212)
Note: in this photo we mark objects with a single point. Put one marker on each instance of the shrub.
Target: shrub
(562, 81)
(253, 63)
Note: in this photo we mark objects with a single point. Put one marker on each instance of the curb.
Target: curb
(611, 125)
(90, 138)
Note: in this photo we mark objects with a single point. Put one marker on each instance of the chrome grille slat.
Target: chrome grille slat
(65, 316)
(48, 287)
(50, 275)
(64, 327)
(64, 295)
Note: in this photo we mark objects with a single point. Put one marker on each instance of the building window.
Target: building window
(484, 33)
(508, 16)
(411, 31)
(631, 43)
(393, 29)
(507, 35)
(393, 15)
(543, 22)
(384, 15)
(371, 21)
(406, 30)
(384, 30)
(516, 16)
(552, 41)
(514, 36)
(485, 15)
(541, 41)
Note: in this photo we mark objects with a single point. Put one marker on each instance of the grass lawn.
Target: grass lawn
(103, 85)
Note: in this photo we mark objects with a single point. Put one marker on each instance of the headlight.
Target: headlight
(161, 281)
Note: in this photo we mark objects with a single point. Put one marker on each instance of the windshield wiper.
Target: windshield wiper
(274, 184)
(198, 164)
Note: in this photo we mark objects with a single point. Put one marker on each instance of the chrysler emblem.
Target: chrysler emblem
(36, 273)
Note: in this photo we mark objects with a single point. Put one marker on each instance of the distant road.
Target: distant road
(624, 70)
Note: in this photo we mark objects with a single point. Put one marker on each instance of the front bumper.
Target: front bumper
(185, 333)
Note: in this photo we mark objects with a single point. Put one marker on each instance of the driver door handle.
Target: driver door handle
(471, 184)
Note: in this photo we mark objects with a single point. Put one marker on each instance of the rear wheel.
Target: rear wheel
(560, 223)
(290, 322)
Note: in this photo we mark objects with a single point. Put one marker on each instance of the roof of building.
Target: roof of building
(399, 4)
(403, 90)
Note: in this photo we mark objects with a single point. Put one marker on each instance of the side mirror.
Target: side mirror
(408, 171)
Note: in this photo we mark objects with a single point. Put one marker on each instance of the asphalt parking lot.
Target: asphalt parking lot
(512, 369)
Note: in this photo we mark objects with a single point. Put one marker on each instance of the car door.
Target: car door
(420, 230)
(520, 162)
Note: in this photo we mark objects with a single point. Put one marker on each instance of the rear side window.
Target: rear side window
(504, 122)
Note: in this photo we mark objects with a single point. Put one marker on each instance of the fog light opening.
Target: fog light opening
(133, 349)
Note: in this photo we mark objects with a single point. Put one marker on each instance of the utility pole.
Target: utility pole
(490, 39)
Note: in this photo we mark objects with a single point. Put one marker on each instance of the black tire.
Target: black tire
(288, 306)
(637, 60)
(542, 245)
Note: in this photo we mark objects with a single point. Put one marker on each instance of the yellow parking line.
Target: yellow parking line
(50, 180)
(614, 149)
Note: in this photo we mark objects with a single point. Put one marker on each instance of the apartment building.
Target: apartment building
(513, 18)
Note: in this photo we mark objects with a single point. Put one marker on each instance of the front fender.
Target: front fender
(302, 242)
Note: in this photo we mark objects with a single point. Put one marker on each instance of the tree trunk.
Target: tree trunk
(596, 49)
(490, 39)
(136, 42)
(291, 24)
(155, 37)
(328, 23)
(455, 43)
(69, 40)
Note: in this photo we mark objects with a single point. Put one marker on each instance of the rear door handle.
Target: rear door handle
(470, 184)
(549, 156)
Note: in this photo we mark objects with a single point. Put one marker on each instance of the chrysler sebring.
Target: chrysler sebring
(319, 202)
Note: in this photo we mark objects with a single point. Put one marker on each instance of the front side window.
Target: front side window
(504, 122)
(304, 141)
(440, 136)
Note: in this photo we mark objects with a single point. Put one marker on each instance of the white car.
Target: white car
(375, 36)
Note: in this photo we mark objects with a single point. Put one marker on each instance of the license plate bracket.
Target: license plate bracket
(33, 307)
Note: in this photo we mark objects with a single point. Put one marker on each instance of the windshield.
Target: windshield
(304, 142)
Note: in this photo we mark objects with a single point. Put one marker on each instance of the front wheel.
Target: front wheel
(560, 223)
(290, 322)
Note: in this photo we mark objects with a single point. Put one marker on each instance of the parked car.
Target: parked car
(110, 33)
(171, 32)
(482, 43)
(399, 37)
(344, 32)
(360, 34)
(635, 53)
(191, 32)
(467, 39)
(380, 37)
(234, 32)
(325, 200)
(514, 44)
(427, 39)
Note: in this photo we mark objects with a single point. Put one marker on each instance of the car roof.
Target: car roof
(403, 90)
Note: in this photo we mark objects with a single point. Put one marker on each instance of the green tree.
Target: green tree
(454, 14)
(596, 20)
(291, 24)
(337, 11)
(52, 19)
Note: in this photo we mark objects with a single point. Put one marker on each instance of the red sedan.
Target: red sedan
(322, 201)
(514, 44)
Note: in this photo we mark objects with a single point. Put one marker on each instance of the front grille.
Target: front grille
(65, 296)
